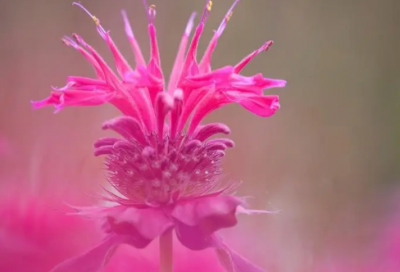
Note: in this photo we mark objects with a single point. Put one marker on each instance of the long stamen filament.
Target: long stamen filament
(166, 252)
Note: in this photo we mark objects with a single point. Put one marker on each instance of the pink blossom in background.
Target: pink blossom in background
(36, 234)
(166, 168)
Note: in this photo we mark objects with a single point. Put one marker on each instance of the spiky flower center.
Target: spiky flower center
(150, 171)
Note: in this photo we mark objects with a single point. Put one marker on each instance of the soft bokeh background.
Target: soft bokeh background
(328, 160)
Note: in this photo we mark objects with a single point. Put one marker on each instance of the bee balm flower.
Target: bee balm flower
(165, 166)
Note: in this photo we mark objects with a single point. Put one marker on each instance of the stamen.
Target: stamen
(206, 11)
(205, 62)
(146, 6)
(96, 20)
(238, 67)
(209, 5)
(226, 18)
(152, 13)
(68, 41)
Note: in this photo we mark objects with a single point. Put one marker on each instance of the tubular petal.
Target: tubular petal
(177, 68)
(263, 106)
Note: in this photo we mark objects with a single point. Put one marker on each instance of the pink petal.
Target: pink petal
(120, 62)
(164, 104)
(93, 260)
(75, 98)
(210, 102)
(135, 46)
(261, 105)
(177, 68)
(84, 83)
(254, 84)
(204, 132)
(109, 75)
(247, 59)
(205, 63)
(196, 220)
(141, 225)
(70, 42)
(128, 127)
(219, 77)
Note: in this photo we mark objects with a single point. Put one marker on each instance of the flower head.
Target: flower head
(166, 167)
(159, 161)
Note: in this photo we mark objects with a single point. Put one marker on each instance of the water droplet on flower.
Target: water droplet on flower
(206, 172)
(130, 173)
(197, 172)
(156, 183)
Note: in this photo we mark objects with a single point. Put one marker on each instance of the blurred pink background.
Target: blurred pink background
(328, 159)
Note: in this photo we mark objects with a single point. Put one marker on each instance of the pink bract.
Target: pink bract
(35, 235)
(166, 168)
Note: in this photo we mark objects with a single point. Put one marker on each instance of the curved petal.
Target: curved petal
(141, 225)
(197, 220)
(261, 105)
(75, 98)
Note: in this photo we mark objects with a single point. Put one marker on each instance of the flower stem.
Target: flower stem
(166, 259)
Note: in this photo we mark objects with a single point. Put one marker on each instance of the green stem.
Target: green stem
(166, 259)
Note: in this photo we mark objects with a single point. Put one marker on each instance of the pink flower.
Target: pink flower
(165, 168)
